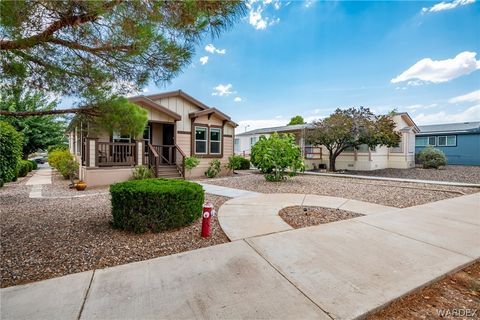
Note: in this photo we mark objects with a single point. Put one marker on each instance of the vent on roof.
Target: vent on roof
(466, 122)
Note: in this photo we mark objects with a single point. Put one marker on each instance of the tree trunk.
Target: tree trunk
(331, 160)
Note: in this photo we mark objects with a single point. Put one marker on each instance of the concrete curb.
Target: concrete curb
(443, 183)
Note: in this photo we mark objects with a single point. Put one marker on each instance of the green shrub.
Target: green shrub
(191, 162)
(64, 162)
(238, 163)
(57, 147)
(55, 156)
(277, 154)
(155, 204)
(11, 145)
(142, 173)
(430, 157)
(34, 164)
(244, 164)
(213, 169)
(23, 168)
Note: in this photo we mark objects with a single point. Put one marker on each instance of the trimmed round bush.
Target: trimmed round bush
(430, 157)
(23, 168)
(34, 165)
(155, 204)
(244, 164)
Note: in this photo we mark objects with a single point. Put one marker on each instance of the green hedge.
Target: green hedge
(23, 168)
(11, 145)
(155, 204)
(34, 164)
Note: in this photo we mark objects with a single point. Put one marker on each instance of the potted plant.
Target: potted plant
(80, 185)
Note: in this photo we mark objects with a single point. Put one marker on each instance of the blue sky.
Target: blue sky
(309, 57)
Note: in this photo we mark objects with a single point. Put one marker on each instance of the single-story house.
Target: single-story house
(459, 141)
(363, 158)
(178, 126)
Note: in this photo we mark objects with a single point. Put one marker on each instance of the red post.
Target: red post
(206, 218)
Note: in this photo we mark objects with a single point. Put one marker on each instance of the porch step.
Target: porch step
(167, 171)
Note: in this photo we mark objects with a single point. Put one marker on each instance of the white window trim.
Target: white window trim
(219, 141)
(434, 141)
(206, 141)
(452, 145)
(438, 141)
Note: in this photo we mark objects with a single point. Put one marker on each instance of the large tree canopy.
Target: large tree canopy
(296, 120)
(79, 47)
(351, 128)
(38, 132)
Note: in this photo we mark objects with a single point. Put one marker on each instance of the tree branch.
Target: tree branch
(87, 111)
(46, 35)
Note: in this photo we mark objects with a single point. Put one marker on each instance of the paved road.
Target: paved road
(340, 270)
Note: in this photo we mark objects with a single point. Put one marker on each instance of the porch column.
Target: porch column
(139, 152)
(91, 150)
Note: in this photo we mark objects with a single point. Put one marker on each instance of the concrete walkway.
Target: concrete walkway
(246, 217)
(443, 183)
(341, 270)
(225, 191)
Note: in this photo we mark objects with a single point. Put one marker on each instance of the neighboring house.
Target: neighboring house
(362, 159)
(459, 141)
(178, 126)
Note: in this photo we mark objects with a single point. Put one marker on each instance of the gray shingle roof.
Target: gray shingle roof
(275, 129)
(462, 127)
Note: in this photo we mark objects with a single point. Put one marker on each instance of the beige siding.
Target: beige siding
(184, 142)
(228, 129)
(156, 115)
(183, 108)
(212, 121)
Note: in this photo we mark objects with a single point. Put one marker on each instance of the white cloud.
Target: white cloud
(204, 60)
(469, 97)
(308, 3)
(419, 106)
(447, 5)
(223, 90)
(437, 71)
(237, 99)
(256, 13)
(211, 48)
(470, 114)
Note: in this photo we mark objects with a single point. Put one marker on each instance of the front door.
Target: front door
(168, 133)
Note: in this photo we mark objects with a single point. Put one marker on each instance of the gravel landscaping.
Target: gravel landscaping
(46, 238)
(466, 174)
(388, 193)
(306, 216)
(460, 290)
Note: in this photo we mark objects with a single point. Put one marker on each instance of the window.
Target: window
(421, 141)
(200, 140)
(215, 141)
(117, 137)
(253, 140)
(431, 141)
(236, 145)
(446, 141)
(451, 141)
(442, 140)
(146, 137)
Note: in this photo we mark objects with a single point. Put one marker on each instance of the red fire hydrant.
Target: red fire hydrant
(206, 217)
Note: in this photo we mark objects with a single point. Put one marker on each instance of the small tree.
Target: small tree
(430, 157)
(351, 128)
(276, 154)
(296, 120)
